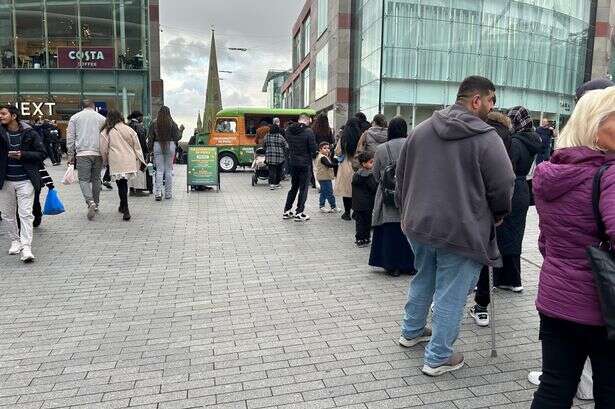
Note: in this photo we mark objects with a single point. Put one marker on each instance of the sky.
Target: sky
(261, 26)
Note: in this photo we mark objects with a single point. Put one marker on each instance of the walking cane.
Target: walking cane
(494, 352)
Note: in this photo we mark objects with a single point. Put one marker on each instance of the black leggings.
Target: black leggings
(347, 204)
(122, 191)
(565, 348)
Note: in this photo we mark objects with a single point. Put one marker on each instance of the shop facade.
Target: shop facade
(55, 53)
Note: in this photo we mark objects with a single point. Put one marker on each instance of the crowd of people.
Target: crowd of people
(445, 202)
(101, 146)
(448, 203)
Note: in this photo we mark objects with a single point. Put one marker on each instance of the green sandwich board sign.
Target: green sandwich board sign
(203, 166)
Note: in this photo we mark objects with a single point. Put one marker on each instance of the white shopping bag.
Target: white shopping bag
(70, 176)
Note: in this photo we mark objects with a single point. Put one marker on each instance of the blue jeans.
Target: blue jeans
(326, 193)
(164, 169)
(445, 278)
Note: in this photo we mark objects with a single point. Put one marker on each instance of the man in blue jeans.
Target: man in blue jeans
(454, 183)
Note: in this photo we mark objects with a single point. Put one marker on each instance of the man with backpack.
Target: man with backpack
(390, 249)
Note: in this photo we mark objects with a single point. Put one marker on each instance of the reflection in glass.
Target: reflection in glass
(7, 44)
(29, 34)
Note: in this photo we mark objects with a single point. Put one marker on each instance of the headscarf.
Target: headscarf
(520, 119)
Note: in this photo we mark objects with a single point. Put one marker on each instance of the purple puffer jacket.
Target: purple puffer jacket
(562, 190)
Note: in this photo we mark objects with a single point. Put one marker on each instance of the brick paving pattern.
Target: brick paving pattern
(211, 300)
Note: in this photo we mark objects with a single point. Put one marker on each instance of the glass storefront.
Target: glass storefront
(533, 50)
(58, 52)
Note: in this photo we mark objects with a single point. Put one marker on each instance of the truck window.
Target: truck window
(226, 126)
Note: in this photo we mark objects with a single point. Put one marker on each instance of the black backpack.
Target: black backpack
(388, 181)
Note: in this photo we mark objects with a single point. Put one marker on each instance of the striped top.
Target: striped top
(15, 171)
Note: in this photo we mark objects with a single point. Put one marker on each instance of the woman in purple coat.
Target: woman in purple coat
(572, 327)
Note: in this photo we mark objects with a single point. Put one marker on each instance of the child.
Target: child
(364, 189)
(324, 176)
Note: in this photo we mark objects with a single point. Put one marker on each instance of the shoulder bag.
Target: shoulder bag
(602, 261)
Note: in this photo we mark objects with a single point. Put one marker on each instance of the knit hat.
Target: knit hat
(521, 119)
(599, 83)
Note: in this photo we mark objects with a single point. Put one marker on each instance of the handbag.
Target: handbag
(602, 261)
(53, 204)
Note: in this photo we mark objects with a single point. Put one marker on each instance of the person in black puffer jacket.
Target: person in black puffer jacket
(303, 149)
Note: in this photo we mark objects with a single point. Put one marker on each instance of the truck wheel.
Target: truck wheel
(227, 162)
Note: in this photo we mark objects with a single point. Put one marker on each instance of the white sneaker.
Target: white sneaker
(271, 187)
(288, 215)
(302, 217)
(454, 363)
(15, 248)
(534, 377)
(409, 343)
(481, 318)
(335, 210)
(26, 255)
(511, 288)
(323, 210)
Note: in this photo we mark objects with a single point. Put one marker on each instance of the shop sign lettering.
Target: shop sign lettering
(95, 57)
(35, 108)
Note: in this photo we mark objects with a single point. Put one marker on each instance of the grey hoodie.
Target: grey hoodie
(454, 180)
(372, 138)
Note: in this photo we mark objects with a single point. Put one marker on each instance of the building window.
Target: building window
(7, 44)
(323, 16)
(29, 35)
(296, 50)
(306, 37)
(322, 72)
(306, 87)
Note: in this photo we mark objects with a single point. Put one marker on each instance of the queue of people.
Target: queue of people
(481, 160)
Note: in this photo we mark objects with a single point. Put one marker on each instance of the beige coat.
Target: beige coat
(120, 148)
(345, 172)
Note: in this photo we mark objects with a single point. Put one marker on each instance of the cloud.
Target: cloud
(185, 46)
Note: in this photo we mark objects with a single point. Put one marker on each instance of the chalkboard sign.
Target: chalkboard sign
(203, 166)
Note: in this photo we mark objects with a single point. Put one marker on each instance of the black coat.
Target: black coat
(32, 154)
(504, 133)
(364, 189)
(523, 150)
(301, 144)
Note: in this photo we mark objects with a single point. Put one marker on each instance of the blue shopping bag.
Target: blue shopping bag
(53, 204)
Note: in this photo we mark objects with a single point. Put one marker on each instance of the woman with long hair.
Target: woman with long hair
(572, 323)
(121, 150)
(390, 248)
(162, 138)
(322, 130)
(345, 151)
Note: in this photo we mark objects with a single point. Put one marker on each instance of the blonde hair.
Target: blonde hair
(589, 114)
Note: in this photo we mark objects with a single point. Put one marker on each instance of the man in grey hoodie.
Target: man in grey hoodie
(83, 143)
(454, 183)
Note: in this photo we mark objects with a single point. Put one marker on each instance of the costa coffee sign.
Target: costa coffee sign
(93, 57)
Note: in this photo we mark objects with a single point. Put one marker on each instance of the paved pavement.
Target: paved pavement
(211, 300)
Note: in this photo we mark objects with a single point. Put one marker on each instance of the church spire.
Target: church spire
(213, 98)
(199, 123)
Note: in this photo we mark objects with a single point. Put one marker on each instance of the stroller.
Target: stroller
(261, 171)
